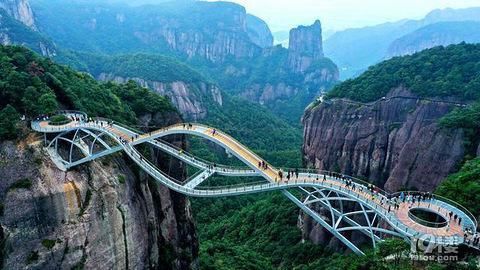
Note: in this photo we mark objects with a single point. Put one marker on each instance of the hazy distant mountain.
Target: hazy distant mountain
(437, 34)
(353, 50)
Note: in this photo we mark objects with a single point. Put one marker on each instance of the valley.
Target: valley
(394, 104)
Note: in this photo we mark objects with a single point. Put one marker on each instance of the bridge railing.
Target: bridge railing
(447, 204)
(339, 177)
(206, 163)
(151, 167)
(217, 131)
(259, 184)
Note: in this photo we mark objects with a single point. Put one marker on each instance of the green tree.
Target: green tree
(9, 118)
(48, 103)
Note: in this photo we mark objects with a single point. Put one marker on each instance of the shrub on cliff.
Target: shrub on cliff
(8, 123)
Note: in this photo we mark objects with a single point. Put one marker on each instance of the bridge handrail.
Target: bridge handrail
(229, 168)
(239, 144)
(206, 162)
(226, 187)
(364, 183)
(447, 201)
(156, 171)
(71, 112)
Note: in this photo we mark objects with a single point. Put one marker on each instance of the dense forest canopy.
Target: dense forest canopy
(31, 85)
(452, 71)
(152, 67)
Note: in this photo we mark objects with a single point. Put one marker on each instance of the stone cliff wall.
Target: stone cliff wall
(102, 215)
(305, 46)
(395, 142)
(190, 99)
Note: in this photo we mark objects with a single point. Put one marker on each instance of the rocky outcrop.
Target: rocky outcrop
(305, 46)
(20, 10)
(214, 37)
(214, 46)
(191, 99)
(259, 32)
(103, 215)
(301, 70)
(314, 83)
(268, 93)
(395, 142)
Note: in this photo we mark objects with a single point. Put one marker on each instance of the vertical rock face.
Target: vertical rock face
(20, 10)
(395, 142)
(191, 99)
(305, 46)
(102, 215)
(300, 72)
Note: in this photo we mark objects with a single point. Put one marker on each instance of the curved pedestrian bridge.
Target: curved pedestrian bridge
(341, 204)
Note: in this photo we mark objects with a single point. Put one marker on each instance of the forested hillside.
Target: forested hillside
(452, 71)
(32, 85)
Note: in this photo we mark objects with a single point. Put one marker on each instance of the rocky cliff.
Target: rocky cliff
(214, 31)
(105, 214)
(17, 27)
(395, 142)
(305, 46)
(191, 99)
(286, 80)
(20, 10)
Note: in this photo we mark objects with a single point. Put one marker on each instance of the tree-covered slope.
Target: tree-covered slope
(34, 85)
(452, 71)
(151, 67)
(170, 27)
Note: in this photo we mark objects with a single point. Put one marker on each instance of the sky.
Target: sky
(340, 14)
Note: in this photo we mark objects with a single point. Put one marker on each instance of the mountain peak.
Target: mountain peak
(305, 45)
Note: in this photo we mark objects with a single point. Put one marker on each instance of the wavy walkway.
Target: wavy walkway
(328, 189)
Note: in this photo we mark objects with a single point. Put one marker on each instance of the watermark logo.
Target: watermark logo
(428, 247)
